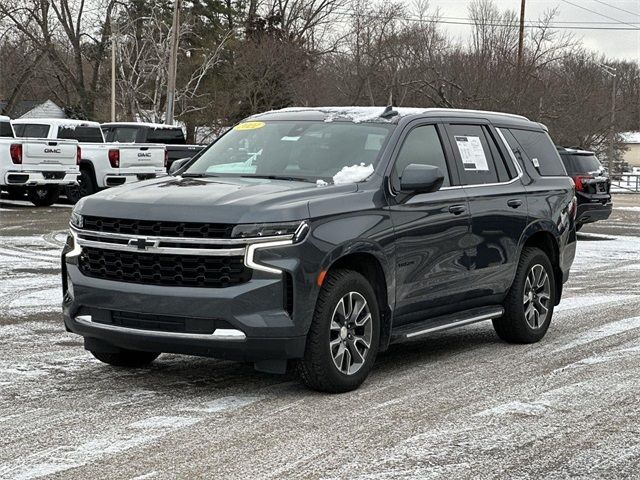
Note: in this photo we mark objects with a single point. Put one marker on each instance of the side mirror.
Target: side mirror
(177, 165)
(421, 179)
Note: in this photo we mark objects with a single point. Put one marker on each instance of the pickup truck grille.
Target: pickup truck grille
(158, 228)
(164, 270)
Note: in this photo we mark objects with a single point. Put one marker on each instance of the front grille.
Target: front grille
(164, 270)
(157, 228)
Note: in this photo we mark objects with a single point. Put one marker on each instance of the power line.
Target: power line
(474, 22)
(597, 13)
(617, 8)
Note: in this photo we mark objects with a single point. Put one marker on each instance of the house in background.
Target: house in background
(35, 109)
(631, 141)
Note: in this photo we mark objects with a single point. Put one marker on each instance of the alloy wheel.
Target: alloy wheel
(351, 331)
(537, 296)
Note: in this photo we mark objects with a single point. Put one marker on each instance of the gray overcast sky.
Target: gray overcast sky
(613, 43)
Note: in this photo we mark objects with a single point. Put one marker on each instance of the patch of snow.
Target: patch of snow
(517, 408)
(224, 404)
(628, 209)
(321, 183)
(602, 358)
(570, 303)
(630, 137)
(353, 174)
(602, 332)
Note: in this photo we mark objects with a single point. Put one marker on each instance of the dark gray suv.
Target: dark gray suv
(320, 236)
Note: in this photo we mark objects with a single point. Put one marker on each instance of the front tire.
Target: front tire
(126, 358)
(343, 339)
(530, 301)
(43, 196)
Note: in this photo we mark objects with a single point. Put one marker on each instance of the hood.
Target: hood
(216, 200)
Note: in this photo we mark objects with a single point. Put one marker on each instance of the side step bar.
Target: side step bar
(444, 322)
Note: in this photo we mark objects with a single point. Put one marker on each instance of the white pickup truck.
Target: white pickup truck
(37, 166)
(102, 164)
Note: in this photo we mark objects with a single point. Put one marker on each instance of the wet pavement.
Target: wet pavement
(459, 404)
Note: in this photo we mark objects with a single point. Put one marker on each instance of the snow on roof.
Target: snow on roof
(156, 126)
(4, 118)
(370, 114)
(59, 122)
(630, 137)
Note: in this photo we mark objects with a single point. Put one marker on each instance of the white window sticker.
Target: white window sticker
(472, 153)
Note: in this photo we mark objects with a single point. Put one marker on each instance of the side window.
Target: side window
(475, 153)
(421, 146)
(540, 151)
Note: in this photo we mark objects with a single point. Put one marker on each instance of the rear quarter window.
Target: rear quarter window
(540, 151)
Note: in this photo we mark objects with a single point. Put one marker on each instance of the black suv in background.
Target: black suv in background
(322, 236)
(592, 182)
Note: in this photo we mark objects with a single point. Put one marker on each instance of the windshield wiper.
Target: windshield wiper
(280, 177)
(197, 175)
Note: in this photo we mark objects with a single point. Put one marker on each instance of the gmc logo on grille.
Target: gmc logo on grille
(52, 150)
(142, 243)
(144, 155)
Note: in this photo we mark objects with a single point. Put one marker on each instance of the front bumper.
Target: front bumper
(253, 321)
(32, 178)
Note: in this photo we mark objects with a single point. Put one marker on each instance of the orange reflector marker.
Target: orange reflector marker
(320, 279)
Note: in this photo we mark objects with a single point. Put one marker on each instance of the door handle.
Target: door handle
(457, 209)
(514, 203)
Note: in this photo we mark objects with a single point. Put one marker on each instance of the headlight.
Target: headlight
(257, 230)
(76, 220)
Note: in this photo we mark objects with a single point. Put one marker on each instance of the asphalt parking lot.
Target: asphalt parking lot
(460, 404)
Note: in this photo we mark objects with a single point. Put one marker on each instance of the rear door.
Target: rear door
(430, 229)
(498, 206)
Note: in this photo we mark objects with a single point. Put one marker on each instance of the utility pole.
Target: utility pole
(113, 74)
(521, 35)
(173, 60)
(612, 128)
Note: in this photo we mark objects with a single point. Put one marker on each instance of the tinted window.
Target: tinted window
(31, 130)
(81, 134)
(5, 130)
(171, 136)
(123, 134)
(576, 164)
(472, 145)
(540, 151)
(421, 146)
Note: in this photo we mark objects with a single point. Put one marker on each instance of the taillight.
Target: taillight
(579, 181)
(114, 158)
(15, 151)
(166, 159)
(78, 155)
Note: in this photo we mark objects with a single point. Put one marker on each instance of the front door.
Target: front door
(430, 230)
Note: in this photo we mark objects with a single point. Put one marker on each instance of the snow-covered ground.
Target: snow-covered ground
(460, 404)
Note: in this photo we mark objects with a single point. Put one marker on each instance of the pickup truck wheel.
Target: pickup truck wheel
(86, 184)
(342, 342)
(529, 304)
(126, 358)
(15, 193)
(43, 196)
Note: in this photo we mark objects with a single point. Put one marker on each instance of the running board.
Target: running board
(445, 322)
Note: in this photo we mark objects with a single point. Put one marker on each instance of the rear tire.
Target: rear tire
(15, 193)
(530, 301)
(126, 358)
(86, 184)
(342, 342)
(43, 196)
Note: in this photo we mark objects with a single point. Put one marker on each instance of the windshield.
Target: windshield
(301, 150)
(577, 164)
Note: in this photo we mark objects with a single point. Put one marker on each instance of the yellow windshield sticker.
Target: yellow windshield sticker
(249, 126)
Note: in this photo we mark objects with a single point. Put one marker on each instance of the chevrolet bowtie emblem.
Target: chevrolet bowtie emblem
(141, 243)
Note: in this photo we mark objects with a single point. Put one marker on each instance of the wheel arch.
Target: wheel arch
(372, 265)
(542, 237)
